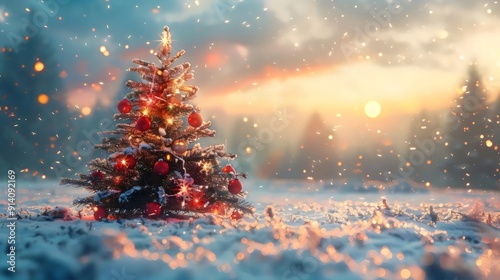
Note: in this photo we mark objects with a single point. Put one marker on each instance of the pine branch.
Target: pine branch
(190, 91)
(142, 62)
(177, 55)
(83, 201)
(73, 182)
(111, 144)
(100, 164)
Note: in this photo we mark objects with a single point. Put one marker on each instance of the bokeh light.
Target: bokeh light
(489, 143)
(372, 109)
(43, 98)
(86, 111)
(39, 66)
(104, 50)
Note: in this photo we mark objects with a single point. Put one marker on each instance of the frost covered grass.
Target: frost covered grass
(300, 231)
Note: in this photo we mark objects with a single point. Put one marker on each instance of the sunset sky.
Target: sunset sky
(251, 57)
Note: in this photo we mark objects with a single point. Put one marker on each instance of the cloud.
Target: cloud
(301, 21)
(260, 39)
(343, 89)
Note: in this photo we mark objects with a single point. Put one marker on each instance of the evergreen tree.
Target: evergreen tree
(316, 156)
(151, 171)
(495, 142)
(379, 159)
(32, 107)
(471, 160)
(279, 162)
(421, 148)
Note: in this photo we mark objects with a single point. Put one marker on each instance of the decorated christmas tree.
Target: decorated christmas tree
(156, 168)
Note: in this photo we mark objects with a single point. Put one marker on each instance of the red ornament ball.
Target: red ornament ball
(118, 166)
(143, 123)
(96, 177)
(179, 146)
(161, 168)
(100, 213)
(235, 186)
(130, 161)
(153, 209)
(236, 215)
(195, 119)
(124, 106)
(125, 162)
(228, 169)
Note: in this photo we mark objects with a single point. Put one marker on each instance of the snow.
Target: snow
(124, 197)
(129, 151)
(299, 231)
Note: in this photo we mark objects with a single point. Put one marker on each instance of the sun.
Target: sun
(372, 109)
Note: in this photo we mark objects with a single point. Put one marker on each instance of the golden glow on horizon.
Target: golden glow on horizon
(372, 109)
(349, 91)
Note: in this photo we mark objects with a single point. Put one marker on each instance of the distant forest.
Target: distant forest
(457, 147)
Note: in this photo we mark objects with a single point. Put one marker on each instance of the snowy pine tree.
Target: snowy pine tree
(472, 160)
(155, 167)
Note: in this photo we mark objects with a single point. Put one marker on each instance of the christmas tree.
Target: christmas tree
(155, 168)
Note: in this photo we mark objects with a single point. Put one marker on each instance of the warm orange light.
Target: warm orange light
(104, 50)
(43, 98)
(39, 66)
(213, 59)
(405, 273)
(372, 109)
(164, 39)
(86, 111)
(489, 143)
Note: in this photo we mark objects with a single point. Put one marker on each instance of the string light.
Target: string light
(206, 167)
(164, 39)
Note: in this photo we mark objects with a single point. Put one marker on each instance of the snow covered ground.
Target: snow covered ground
(299, 231)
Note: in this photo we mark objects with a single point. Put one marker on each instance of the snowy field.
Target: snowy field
(299, 231)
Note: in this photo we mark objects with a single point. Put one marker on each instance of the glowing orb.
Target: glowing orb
(39, 66)
(86, 111)
(489, 143)
(372, 109)
(104, 51)
(43, 98)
